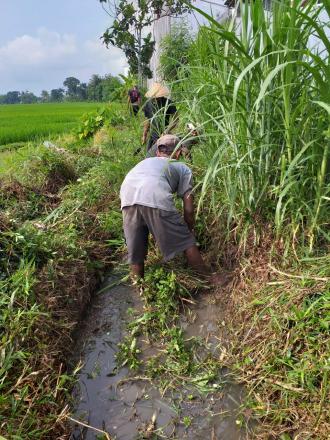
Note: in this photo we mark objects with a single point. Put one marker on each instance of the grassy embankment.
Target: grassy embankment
(59, 227)
(261, 99)
(27, 122)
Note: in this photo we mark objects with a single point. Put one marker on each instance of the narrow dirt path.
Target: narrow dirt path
(130, 407)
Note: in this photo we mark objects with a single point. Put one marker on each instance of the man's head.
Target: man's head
(167, 146)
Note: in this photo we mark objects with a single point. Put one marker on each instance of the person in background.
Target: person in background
(134, 99)
(160, 113)
(147, 205)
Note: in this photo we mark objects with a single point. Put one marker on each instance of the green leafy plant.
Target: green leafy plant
(92, 122)
(128, 353)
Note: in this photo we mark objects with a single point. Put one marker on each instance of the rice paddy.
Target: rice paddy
(26, 122)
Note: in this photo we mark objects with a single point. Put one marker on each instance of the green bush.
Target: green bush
(92, 122)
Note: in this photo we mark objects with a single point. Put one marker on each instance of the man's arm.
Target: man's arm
(188, 210)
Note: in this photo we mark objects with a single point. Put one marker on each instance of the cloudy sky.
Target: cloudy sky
(44, 41)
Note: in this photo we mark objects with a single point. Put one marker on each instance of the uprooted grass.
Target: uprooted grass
(59, 213)
(177, 361)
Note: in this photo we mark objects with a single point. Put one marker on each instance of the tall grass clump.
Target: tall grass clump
(261, 93)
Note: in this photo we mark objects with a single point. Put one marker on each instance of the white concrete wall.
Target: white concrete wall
(161, 28)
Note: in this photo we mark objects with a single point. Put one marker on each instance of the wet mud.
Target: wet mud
(129, 407)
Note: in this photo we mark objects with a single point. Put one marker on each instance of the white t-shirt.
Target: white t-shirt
(153, 181)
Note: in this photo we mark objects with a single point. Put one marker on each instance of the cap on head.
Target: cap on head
(158, 90)
(170, 141)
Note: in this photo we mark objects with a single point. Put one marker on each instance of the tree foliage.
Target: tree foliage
(44, 97)
(12, 97)
(15, 97)
(99, 89)
(75, 90)
(28, 98)
(102, 88)
(128, 31)
(72, 84)
(57, 95)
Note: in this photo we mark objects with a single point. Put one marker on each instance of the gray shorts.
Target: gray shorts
(168, 228)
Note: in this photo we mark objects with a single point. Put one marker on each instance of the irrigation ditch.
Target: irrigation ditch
(120, 403)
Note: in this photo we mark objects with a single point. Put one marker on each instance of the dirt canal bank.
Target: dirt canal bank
(126, 404)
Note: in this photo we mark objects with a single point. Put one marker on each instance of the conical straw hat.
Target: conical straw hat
(158, 90)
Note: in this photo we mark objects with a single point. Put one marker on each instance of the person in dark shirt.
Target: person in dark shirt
(134, 99)
(160, 113)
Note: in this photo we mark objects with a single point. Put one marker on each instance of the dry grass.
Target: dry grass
(279, 325)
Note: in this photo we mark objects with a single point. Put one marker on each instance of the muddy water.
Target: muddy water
(115, 401)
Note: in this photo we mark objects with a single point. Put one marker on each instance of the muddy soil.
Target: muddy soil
(130, 407)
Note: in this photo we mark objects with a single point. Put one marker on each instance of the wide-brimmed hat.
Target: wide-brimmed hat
(168, 140)
(158, 90)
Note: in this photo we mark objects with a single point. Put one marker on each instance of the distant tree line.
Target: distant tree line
(98, 89)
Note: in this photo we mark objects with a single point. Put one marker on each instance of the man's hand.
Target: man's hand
(188, 210)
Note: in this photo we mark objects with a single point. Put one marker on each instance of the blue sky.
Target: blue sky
(44, 41)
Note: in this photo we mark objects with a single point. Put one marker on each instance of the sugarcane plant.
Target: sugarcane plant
(259, 85)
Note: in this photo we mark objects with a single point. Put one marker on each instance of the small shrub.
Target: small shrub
(92, 122)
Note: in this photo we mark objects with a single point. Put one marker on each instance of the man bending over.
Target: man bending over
(148, 207)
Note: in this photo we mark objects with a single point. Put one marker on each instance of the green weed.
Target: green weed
(92, 122)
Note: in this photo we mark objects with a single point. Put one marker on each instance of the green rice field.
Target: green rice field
(25, 122)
